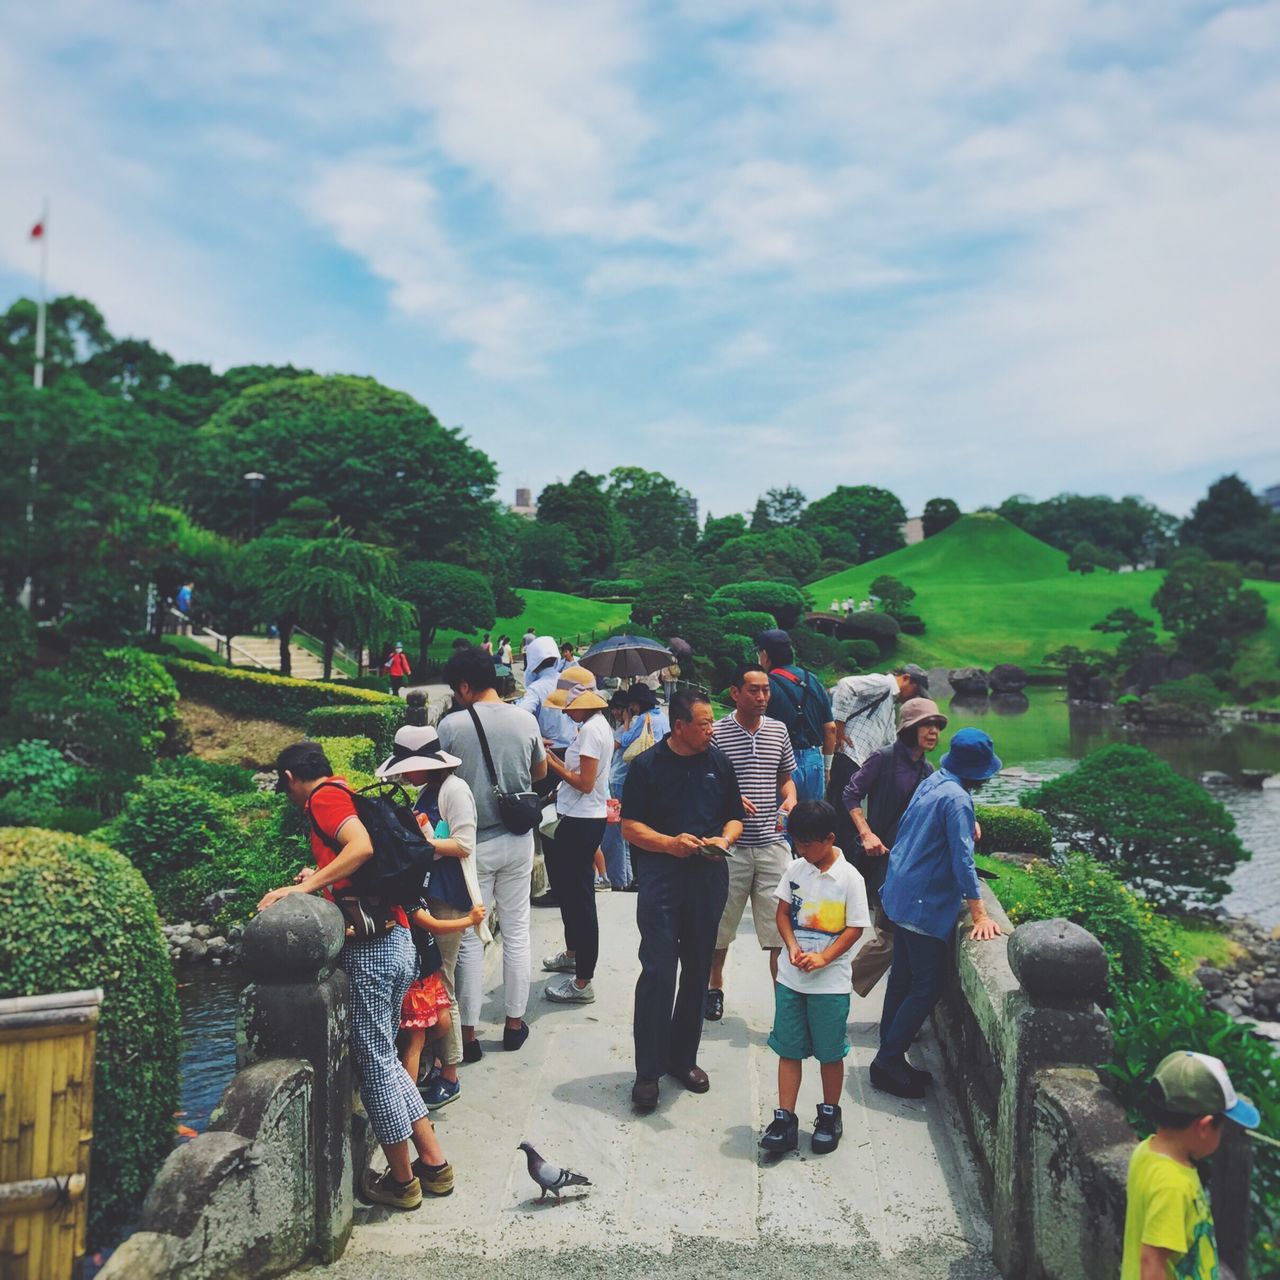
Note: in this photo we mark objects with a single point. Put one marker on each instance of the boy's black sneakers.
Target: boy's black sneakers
(827, 1129)
(783, 1133)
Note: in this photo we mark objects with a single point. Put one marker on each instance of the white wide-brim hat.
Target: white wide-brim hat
(415, 750)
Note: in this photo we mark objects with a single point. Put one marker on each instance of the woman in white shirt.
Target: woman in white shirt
(582, 805)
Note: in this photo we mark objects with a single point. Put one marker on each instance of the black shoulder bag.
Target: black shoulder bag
(520, 811)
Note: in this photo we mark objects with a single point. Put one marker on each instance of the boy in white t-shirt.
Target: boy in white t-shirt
(822, 911)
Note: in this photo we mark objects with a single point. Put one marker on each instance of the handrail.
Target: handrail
(341, 654)
(222, 641)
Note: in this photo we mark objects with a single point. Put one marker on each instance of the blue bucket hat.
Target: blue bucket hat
(972, 755)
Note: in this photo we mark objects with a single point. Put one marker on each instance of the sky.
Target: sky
(953, 249)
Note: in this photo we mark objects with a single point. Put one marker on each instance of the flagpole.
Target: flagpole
(26, 595)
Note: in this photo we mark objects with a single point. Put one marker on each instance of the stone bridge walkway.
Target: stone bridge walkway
(684, 1191)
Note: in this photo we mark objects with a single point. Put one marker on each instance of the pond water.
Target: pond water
(1046, 737)
(208, 999)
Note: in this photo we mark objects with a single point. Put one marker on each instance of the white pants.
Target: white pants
(504, 866)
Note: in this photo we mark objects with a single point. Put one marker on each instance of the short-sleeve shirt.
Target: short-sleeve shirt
(823, 905)
(1166, 1208)
(595, 741)
(863, 708)
(515, 742)
(797, 698)
(760, 760)
(332, 808)
(674, 794)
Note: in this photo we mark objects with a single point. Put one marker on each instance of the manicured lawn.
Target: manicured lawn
(549, 613)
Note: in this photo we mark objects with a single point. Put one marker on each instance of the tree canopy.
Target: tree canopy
(856, 522)
(445, 595)
(1135, 530)
(582, 507)
(1232, 523)
(656, 513)
(939, 513)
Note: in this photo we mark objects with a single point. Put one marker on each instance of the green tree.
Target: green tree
(656, 512)
(1134, 530)
(779, 508)
(939, 514)
(856, 522)
(1138, 635)
(582, 506)
(1232, 523)
(74, 332)
(1206, 607)
(383, 462)
(717, 530)
(339, 585)
(1086, 557)
(549, 557)
(1165, 835)
(445, 595)
(786, 602)
(894, 596)
(779, 553)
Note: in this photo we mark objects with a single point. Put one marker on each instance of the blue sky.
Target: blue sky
(962, 249)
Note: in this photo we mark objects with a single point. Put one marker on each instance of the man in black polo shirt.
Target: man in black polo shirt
(681, 810)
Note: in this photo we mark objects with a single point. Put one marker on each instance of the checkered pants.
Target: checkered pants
(380, 972)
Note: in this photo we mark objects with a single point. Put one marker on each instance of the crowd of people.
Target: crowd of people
(819, 808)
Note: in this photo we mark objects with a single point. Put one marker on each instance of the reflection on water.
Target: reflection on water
(208, 999)
(1048, 738)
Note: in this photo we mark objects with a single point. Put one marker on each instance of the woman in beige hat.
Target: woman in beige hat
(582, 805)
(875, 798)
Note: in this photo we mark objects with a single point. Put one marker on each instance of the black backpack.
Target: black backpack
(402, 855)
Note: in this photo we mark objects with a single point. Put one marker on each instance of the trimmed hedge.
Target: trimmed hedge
(784, 601)
(880, 628)
(73, 915)
(378, 724)
(263, 695)
(864, 653)
(748, 622)
(353, 758)
(1006, 829)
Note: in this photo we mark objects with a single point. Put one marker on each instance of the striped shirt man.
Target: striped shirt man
(762, 760)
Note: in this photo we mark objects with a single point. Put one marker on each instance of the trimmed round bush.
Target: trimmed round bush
(749, 622)
(813, 649)
(862, 653)
(912, 624)
(1006, 829)
(36, 782)
(377, 723)
(785, 602)
(75, 915)
(880, 628)
(221, 779)
(168, 825)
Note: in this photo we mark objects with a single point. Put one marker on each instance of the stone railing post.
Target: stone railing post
(296, 1007)
(1062, 970)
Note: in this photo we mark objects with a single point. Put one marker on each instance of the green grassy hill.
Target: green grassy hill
(550, 613)
(989, 593)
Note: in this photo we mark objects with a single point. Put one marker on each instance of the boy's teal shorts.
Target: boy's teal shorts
(809, 1026)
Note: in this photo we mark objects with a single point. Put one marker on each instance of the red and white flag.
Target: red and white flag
(38, 230)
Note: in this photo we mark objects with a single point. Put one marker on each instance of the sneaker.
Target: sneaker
(783, 1133)
(828, 1129)
(435, 1182)
(561, 962)
(603, 886)
(441, 1093)
(428, 1081)
(471, 1051)
(547, 899)
(382, 1188)
(713, 1009)
(566, 991)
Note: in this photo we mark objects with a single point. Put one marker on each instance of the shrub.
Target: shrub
(353, 758)
(616, 588)
(1153, 1019)
(912, 624)
(135, 682)
(1169, 839)
(377, 723)
(813, 649)
(35, 783)
(1006, 829)
(863, 653)
(732, 650)
(785, 602)
(74, 914)
(725, 605)
(219, 779)
(17, 648)
(263, 695)
(748, 622)
(881, 628)
(1138, 942)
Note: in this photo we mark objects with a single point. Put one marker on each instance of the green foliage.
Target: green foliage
(36, 782)
(1165, 836)
(912, 624)
(748, 622)
(860, 652)
(718, 530)
(1007, 829)
(776, 554)
(17, 648)
(938, 514)
(218, 779)
(1208, 609)
(785, 602)
(654, 511)
(73, 915)
(445, 595)
(168, 825)
(1197, 692)
(778, 509)
(1130, 528)
(615, 588)
(1086, 557)
(353, 758)
(673, 602)
(582, 509)
(894, 596)
(1138, 942)
(813, 649)
(260, 694)
(880, 628)
(548, 556)
(1070, 655)
(378, 724)
(856, 523)
(1152, 1019)
(731, 651)
(1232, 523)
(1138, 636)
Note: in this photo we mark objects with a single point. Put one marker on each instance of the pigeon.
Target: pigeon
(550, 1177)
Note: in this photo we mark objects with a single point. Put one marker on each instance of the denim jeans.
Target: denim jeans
(915, 984)
(617, 856)
(809, 775)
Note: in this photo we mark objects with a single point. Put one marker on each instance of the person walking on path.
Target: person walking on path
(504, 651)
(798, 699)
(930, 870)
(681, 811)
(644, 724)
(397, 667)
(874, 801)
(504, 859)
(183, 604)
(446, 811)
(379, 971)
(821, 911)
(759, 748)
(582, 804)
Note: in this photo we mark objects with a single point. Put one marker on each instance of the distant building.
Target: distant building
(691, 506)
(913, 530)
(524, 504)
(1271, 496)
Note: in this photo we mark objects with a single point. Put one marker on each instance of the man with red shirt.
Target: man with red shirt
(379, 971)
